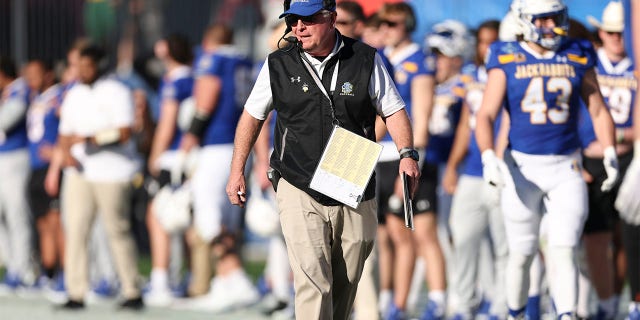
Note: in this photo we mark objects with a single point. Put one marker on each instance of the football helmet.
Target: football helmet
(510, 27)
(530, 10)
(451, 38)
(262, 216)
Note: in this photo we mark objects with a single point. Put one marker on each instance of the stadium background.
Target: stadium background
(46, 28)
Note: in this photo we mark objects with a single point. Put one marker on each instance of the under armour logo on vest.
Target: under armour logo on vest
(294, 79)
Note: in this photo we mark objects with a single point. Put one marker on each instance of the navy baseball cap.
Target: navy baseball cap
(306, 8)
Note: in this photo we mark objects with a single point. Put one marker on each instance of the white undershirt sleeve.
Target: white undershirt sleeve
(260, 101)
(383, 91)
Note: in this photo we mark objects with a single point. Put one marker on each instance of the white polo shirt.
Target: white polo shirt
(86, 110)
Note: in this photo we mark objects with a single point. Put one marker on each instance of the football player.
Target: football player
(414, 75)
(541, 82)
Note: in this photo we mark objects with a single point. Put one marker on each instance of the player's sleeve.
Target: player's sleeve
(207, 65)
(428, 65)
(184, 88)
(590, 54)
(383, 91)
(169, 91)
(492, 59)
(259, 102)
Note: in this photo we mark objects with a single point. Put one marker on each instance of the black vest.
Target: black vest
(304, 122)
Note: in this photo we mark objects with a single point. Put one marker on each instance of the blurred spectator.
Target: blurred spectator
(223, 80)
(15, 228)
(42, 127)
(350, 19)
(371, 33)
(176, 88)
(414, 77)
(95, 129)
(603, 230)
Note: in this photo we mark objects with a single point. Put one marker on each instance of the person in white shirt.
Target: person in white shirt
(95, 129)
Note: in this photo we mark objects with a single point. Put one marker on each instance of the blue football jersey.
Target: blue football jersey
(618, 85)
(42, 124)
(543, 94)
(16, 137)
(234, 72)
(408, 64)
(475, 82)
(177, 87)
(444, 119)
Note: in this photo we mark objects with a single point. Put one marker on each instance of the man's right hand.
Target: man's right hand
(237, 189)
(491, 171)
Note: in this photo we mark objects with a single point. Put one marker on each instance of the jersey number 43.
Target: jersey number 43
(542, 110)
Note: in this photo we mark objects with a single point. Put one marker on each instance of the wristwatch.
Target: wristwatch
(409, 153)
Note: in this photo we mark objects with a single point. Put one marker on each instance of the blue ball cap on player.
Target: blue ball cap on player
(305, 8)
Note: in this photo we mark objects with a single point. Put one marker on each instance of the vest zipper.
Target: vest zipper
(284, 142)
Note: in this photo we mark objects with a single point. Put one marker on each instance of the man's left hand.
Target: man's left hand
(410, 167)
(237, 189)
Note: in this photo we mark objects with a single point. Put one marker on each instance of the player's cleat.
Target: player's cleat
(73, 305)
(158, 297)
(270, 304)
(634, 311)
(105, 289)
(227, 293)
(134, 304)
(395, 313)
(11, 281)
(433, 311)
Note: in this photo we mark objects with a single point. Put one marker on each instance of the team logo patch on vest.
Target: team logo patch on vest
(305, 87)
(347, 89)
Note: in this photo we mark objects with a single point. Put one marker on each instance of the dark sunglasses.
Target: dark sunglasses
(391, 24)
(292, 19)
(343, 22)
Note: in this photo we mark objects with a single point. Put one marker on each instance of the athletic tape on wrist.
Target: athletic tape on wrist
(199, 123)
(106, 137)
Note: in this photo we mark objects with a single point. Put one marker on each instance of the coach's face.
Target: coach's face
(87, 70)
(316, 33)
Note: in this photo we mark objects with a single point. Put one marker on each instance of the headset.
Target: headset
(410, 23)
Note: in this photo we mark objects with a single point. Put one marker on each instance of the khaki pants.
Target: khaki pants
(327, 248)
(81, 201)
